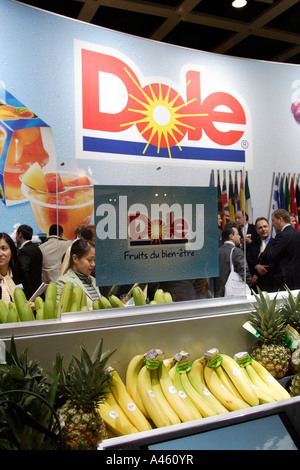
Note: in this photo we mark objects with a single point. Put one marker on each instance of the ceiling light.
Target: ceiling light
(239, 3)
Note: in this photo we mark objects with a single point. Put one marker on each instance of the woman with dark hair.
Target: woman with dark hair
(81, 266)
(9, 268)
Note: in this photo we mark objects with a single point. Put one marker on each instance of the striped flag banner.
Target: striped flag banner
(236, 194)
(231, 198)
(225, 206)
(293, 202)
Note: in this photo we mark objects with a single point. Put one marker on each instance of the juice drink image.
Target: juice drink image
(65, 198)
(24, 140)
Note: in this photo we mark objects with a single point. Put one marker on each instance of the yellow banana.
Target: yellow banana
(150, 401)
(175, 377)
(115, 301)
(269, 379)
(263, 397)
(159, 296)
(111, 401)
(23, 308)
(184, 412)
(138, 296)
(264, 392)
(260, 383)
(65, 298)
(203, 390)
(114, 422)
(125, 401)
(132, 372)
(104, 302)
(228, 399)
(227, 382)
(198, 367)
(234, 372)
(169, 363)
(3, 311)
(156, 387)
(198, 400)
(116, 375)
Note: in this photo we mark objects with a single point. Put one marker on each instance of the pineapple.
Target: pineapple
(295, 385)
(269, 350)
(27, 402)
(83, 387)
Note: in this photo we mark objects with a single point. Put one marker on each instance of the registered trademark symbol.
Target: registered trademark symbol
(245, 144)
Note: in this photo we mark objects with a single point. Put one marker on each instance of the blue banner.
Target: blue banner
(151, 233)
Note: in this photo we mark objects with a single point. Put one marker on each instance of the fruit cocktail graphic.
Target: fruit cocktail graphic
(65, 198)
(24, 140)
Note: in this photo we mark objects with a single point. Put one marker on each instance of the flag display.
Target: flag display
(225, 207)
(286, 195)
(281, 193)
(231, 198)
(236, 197)
(236, 194)
(275, 200)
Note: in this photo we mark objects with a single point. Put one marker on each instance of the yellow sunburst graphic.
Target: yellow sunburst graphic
(157, 230)
(162, 117)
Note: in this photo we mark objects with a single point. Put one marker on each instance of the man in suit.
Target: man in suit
(261, 274)
(31, 260)
(53, 251)
(283, 252)
(231, 239)
(246, 230)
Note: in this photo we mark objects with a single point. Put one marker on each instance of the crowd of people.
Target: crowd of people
(28, 264)
(261, 258)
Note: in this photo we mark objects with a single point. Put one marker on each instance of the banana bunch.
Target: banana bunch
(18, 310)
(186, 379)
(238, 382)
(161, 297)
(158, 393)
(226, 381)
(47, 309)
(267, 388)
(103, 302)
(138, 296)
(119, 411)
(149, 382)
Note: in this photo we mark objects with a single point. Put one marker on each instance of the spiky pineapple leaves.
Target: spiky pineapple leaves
(267, 318)
(26, 404)
(86, 380)
(291, 309)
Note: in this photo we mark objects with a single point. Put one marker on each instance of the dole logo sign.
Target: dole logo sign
(121, 113)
